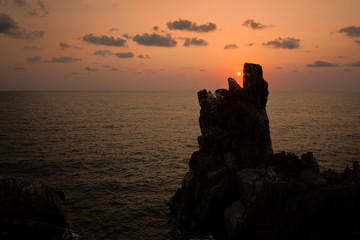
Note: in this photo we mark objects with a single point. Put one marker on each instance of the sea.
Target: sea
(120, 156)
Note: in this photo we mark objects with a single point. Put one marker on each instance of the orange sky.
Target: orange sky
(302, 45)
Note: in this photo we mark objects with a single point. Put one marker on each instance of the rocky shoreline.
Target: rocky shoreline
(238, 188)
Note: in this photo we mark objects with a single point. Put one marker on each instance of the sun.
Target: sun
(239, 73)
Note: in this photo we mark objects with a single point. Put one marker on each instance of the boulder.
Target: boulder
(32, 211)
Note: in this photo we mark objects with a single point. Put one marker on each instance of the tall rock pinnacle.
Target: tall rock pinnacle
(235, 135)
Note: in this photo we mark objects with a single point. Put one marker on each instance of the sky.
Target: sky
(308, 45)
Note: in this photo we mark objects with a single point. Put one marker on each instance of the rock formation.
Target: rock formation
(237, 187)
(32, 211)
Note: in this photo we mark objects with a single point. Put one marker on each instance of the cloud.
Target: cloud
(187, 25)
(114, 29)
(124, 55)
(63, 45)
(110, 67)
(155, 39)
(322, 64)
(89, 69)
(119, 55)
(230, 46)
(285, 43)
(104, 40)
(126, 35)
(34, 8)
(358, 42)
(64, 60)
(103, 53)
(41, 9)
(351, 31)
(35, 59)
(7, 24)
(254, 25)
(278, 67)
(194, 42)
(355, 64)
(11, 29)
(142, 56)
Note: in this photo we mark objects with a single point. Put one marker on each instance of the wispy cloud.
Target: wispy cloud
(254, 25)
(155, 39)
(114, 29)
(35, 59)
(142, 56)
(10, 28)
(285, 43)
(111, 68)
(119, 54)
(358, 42)
(65, 60)
(127, 36)
(40, 9)
(351, 31)
(103, 53)
(104, 40)
(322, 64)
(124, 55)
(194, 42)
(63, 45)
(230, 46)
(33, 8)
(186, 25)
(90, 69)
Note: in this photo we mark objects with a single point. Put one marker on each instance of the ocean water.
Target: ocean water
(120, 156)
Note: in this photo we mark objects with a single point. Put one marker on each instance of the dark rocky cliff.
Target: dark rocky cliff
(237, 187)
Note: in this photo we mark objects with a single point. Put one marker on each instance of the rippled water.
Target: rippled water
(120, 156)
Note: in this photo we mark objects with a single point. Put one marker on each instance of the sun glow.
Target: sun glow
(239, 73)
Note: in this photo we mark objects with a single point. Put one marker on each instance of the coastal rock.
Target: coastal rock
(32, 211)
(235, 135)
(237, 187)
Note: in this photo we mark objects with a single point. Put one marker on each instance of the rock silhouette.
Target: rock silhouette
(237, 187)
(32, 211)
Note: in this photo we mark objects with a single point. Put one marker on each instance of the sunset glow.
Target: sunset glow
(181, 45)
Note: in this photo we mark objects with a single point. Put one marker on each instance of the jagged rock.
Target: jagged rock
(235, 135)
(32, 211)
(236, 186)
